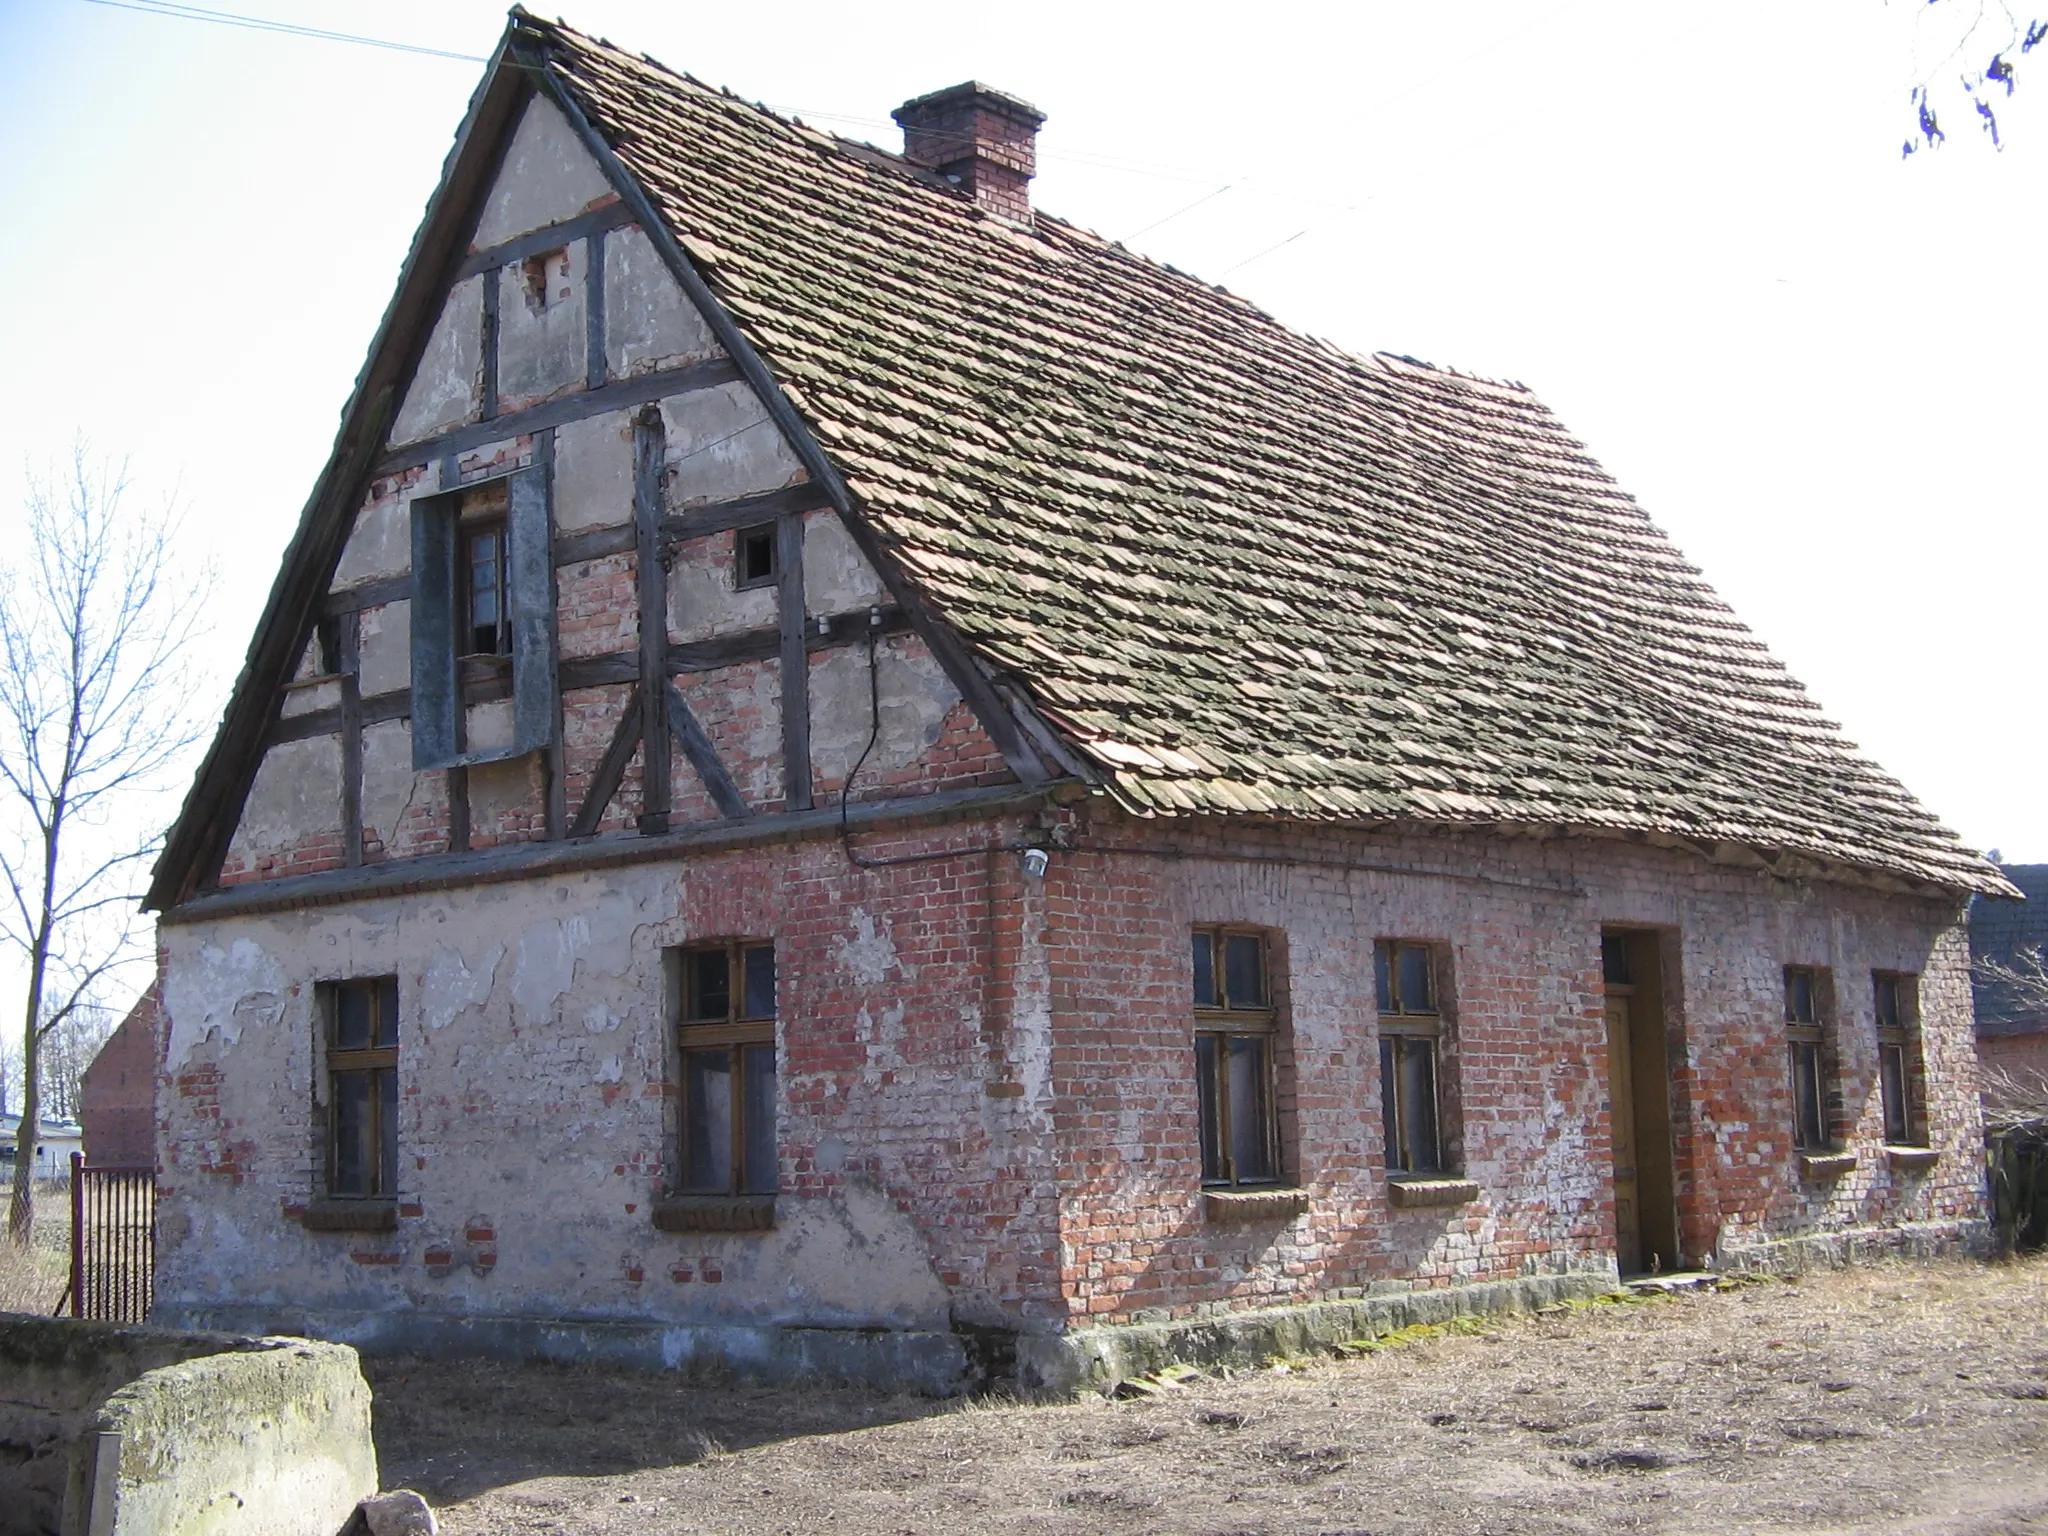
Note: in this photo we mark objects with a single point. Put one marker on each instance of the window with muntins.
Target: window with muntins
(1411, 1030)
(1897, 1007)
(1235, 1028)
(361, 1019)
(727, 1040)
(1806, 1040)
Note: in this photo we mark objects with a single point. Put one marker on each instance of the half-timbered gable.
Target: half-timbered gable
(843, 778)
(513, 492)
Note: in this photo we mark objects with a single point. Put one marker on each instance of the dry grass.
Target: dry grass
(1896, 1398)
(33, 1280)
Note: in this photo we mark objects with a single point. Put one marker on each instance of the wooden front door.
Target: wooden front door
(1621, 1098)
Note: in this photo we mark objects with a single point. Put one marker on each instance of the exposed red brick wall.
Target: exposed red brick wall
(118, 1095)
(2021, 1055)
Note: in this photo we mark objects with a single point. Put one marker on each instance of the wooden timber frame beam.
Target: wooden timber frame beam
(945, 644)
(651, 584)
(614, 667)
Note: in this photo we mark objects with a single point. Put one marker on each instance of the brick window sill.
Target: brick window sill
(1227, 1205)
(715, 1213)
(1414, 1194)
(1827, 1165)
(350, 1216)
(1912, 1159)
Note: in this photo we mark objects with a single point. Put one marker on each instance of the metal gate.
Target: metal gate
(113, 1241)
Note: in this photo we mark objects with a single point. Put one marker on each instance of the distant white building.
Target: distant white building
(55, 1143)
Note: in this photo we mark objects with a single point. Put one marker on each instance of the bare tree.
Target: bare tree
(95, 617)
(66, 1054)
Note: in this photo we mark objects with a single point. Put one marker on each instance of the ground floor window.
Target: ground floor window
(727, 1043)
(1411, 1034)
(361, 1026)
(1806, 1042)
(1897, 1006)
(1235, 1034)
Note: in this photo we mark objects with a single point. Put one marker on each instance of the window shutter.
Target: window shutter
(435, 692)
(533, 611)
(437, 622)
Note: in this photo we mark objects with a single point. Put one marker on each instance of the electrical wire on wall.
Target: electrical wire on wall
(853, 855)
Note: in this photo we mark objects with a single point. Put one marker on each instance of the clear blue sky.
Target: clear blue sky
(1688, 227)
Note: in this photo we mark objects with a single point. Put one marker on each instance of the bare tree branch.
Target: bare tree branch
(96, 712)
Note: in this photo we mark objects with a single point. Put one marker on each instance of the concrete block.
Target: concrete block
(273, 1441)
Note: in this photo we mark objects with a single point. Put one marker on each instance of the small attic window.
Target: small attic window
(753, 557)
(327, 646)
(545, 279)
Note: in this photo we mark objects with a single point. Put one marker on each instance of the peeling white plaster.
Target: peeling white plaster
(870, 953)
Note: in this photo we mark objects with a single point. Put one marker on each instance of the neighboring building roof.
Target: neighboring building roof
(1239, 569)
(2001, 932)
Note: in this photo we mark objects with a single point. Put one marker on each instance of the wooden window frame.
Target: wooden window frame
(1899, 1062)
(1220, 1023)
(1806, 1040)
(377, 1061)
(741, 537)
(468, 530)
(443, 660)
(736, 1033)
(1405, 1027)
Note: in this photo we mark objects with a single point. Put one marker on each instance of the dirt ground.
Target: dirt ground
(1892, 1398)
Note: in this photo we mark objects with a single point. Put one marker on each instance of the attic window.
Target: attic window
(539, 277)
(753, 559)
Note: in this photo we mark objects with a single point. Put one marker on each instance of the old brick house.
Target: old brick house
(844, 777)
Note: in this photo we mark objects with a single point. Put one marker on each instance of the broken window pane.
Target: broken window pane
(1418, 1106)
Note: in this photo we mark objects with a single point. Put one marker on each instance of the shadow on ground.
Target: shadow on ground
(456, 1428)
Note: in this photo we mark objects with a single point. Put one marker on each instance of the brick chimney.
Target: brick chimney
(980, 139)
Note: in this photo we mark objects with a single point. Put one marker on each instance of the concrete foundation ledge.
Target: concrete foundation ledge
(938, 1363)
(1097, 1359)
(1834, 1250)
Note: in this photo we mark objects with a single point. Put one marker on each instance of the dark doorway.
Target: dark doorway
(1639, 1097)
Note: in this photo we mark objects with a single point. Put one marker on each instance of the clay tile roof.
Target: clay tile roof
(1240, 569)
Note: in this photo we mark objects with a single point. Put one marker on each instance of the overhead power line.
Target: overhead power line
(284, 28)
